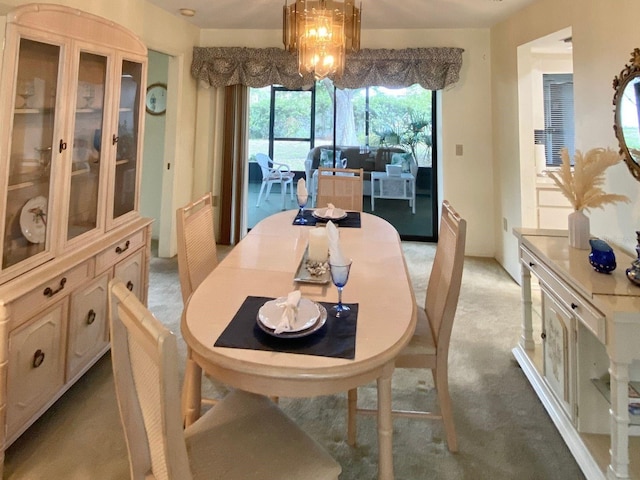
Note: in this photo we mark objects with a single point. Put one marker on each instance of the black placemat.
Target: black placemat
(337, 338)
(351, 220)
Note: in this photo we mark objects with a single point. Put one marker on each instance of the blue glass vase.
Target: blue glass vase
(601, 258)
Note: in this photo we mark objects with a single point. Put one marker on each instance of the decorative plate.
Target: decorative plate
(33, 219)
(338, 214)
(312, 323)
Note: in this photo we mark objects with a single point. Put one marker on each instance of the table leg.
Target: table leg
(191, 391)
(373, 195)
(385, 425)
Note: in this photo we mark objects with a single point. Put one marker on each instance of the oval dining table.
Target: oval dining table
(264, 264)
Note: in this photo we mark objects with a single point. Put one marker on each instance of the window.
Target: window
(558, 130)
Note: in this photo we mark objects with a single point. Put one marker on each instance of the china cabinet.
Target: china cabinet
(71, 120)
(579, 349)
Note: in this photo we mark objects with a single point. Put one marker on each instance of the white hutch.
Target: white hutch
(71, 126)
(580, 350)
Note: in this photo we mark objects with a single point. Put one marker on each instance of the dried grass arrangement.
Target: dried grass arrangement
(583, 185)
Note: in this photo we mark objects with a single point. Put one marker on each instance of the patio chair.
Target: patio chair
(429, 347)
(274, 173)
(340, 186)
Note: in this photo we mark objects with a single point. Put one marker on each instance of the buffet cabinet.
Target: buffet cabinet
(580, 349)
(71, 126)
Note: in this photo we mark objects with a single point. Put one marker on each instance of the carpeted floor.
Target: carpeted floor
(503, 431)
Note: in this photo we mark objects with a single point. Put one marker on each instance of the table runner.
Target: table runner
(337, 338)
(351, 220)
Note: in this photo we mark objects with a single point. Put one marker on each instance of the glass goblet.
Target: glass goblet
(302, 202)
(339, 277)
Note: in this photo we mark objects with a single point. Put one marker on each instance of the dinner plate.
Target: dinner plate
(338, 214)
(317, 325)
(271, 312)
(33, 219)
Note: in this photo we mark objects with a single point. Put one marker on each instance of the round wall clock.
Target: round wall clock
(157, 99)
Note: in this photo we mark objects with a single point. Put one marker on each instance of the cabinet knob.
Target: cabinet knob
(49, 292)
(543, 335)
(38, 358)
(531, 264)
(130, 286)
(114, 139)
(119, 249)
(62, 146)
(91, 316)
(574, 306)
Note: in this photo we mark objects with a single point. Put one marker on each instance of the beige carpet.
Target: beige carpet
(504, 432)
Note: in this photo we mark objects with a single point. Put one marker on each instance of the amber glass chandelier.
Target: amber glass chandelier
(321, 32)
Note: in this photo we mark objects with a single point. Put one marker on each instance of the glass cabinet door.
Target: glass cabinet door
(124, 199)
(32, 150)
(85, 165)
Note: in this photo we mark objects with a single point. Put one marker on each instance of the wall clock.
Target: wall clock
(157, 99)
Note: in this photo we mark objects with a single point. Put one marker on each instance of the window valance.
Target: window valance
(432, 68)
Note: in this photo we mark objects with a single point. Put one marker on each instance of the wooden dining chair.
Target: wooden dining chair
(429, 346)
(340, 186)
(197, 252)
(243, 437)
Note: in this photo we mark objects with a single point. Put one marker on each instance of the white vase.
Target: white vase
(579, 230)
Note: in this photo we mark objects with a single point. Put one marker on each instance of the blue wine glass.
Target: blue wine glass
(302, 202)
(339, 277)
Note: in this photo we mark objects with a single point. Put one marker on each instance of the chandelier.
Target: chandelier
(321, 32)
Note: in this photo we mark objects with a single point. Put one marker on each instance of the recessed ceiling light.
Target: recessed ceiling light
(187, 12)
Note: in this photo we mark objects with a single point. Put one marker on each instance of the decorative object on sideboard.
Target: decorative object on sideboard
(626, 120)
(633, 272)
(582, 185)
(602, 258)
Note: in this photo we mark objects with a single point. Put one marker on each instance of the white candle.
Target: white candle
(318, 245)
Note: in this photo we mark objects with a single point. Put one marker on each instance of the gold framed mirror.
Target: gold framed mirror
(626, 124)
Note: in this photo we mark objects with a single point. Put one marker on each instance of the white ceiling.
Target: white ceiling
(376, 14)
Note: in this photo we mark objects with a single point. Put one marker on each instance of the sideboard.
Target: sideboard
(580, 349)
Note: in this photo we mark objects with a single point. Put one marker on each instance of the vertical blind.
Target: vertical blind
(558, 116)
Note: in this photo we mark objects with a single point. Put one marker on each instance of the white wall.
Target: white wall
(467, 180)
(604, 34)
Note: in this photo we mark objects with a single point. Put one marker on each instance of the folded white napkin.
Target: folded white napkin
(301, 191)
(329, 212)
(289, 312)
(336, 256)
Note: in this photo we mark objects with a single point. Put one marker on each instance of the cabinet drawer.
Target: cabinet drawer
(51, 291)
(88, 323)
(116, 252)
(582, 309)
(129, 271)
(36, 365)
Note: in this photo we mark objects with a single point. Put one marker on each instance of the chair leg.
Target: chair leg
(446, 410)
(260, 194)
(352, 427)
(283, 189)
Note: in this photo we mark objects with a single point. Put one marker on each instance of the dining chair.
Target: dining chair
(197, 251)
(274, 173)
(429, 346)
(243, 437)
(340, 186)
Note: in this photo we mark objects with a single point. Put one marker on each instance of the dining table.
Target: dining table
(219, 322)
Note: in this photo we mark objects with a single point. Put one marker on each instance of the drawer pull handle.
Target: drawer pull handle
(91, 316)
(119, 249)
(531, 264)
(574, 306)
(114, 139)
(130, 286)
(62, 146)
(38, 358)
(543, 335)
(48, 292)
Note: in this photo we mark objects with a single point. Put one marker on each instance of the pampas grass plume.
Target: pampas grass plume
(583, 185)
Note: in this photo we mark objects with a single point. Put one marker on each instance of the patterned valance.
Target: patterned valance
(432, 68)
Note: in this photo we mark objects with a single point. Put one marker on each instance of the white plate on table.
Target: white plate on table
(33, 219)
(311, 317)
(338, 214)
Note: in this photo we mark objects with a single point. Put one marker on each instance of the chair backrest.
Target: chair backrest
(197, 252)
(340, 186)
(144, 355)
(443, 288)
(265, 163)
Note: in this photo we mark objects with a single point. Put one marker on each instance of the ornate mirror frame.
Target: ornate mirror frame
(626, 123)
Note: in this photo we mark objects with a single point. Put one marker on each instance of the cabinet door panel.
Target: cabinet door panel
(130, 272)
(36, 365)
(87, 325)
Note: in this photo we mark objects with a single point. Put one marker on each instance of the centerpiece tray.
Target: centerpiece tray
(304, 275)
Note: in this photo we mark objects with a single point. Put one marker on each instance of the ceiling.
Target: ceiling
(376, 14)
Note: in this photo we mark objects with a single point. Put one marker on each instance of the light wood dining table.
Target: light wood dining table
(264, 263)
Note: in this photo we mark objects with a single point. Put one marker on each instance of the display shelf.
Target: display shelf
(603, 387)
